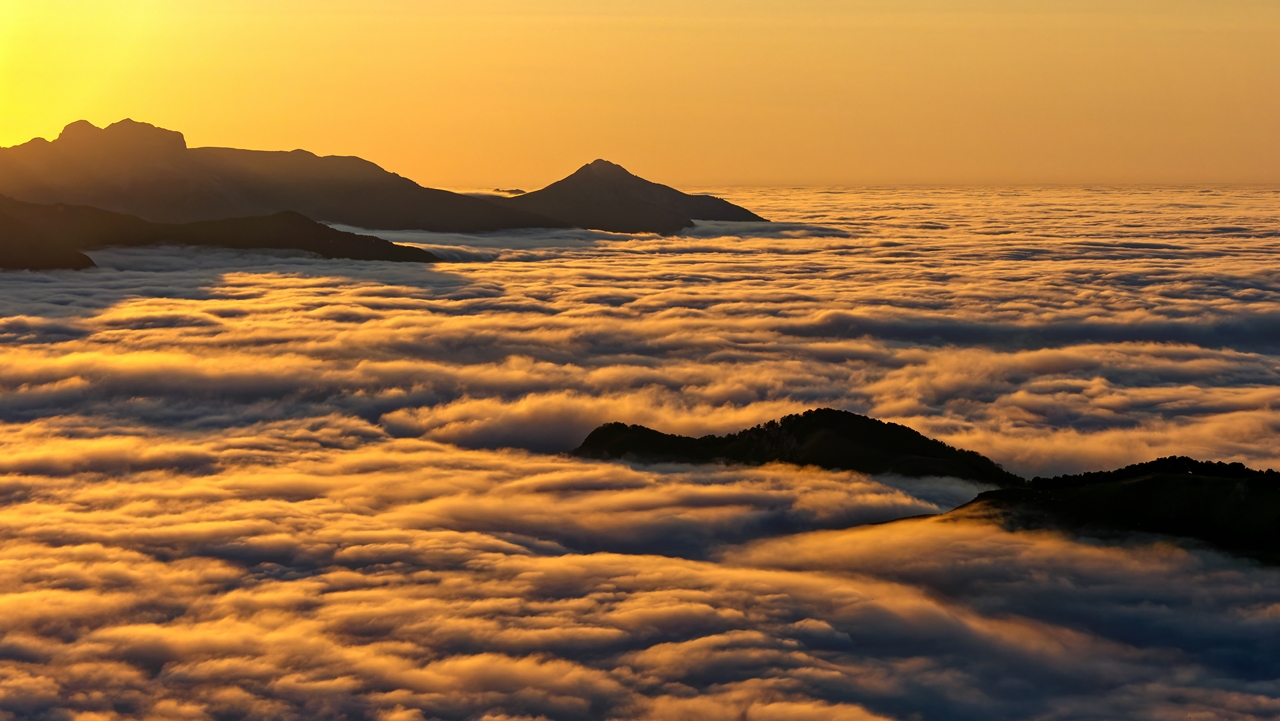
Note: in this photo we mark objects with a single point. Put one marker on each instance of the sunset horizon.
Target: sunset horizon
(713, 360)
(981, 92)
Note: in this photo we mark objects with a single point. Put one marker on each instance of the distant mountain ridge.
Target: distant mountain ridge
(605, 196)
(49, 237)
(139, 169)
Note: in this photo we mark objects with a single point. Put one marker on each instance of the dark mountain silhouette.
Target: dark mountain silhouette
(1229, 506)
(139, 169)
(825, 437)
(73, 228)
(604, 196)
(1170, 466)
(24, 248)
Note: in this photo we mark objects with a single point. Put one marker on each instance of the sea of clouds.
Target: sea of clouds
(267, 486)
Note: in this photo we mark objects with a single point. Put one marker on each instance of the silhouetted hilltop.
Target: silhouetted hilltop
(139, 169)
(1227, 505)
(825, 437)
(24, 248)
(604, 196)
(1171, 465)
(75, 228)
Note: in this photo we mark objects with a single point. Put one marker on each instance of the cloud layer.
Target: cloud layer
(321, 570)
(1054, 332)
(273, 487)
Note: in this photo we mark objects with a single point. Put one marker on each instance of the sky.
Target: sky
(697, 92)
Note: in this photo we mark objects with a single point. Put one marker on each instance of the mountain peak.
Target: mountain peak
(602, 168)
(602, 195)
(129, 136)
(78, 130)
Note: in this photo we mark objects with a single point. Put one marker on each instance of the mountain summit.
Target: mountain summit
(122, 141)
(604, 196)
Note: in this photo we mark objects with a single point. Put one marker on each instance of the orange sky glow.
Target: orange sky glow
(697, 92)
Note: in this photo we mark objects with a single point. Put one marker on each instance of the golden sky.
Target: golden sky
(690, 92)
